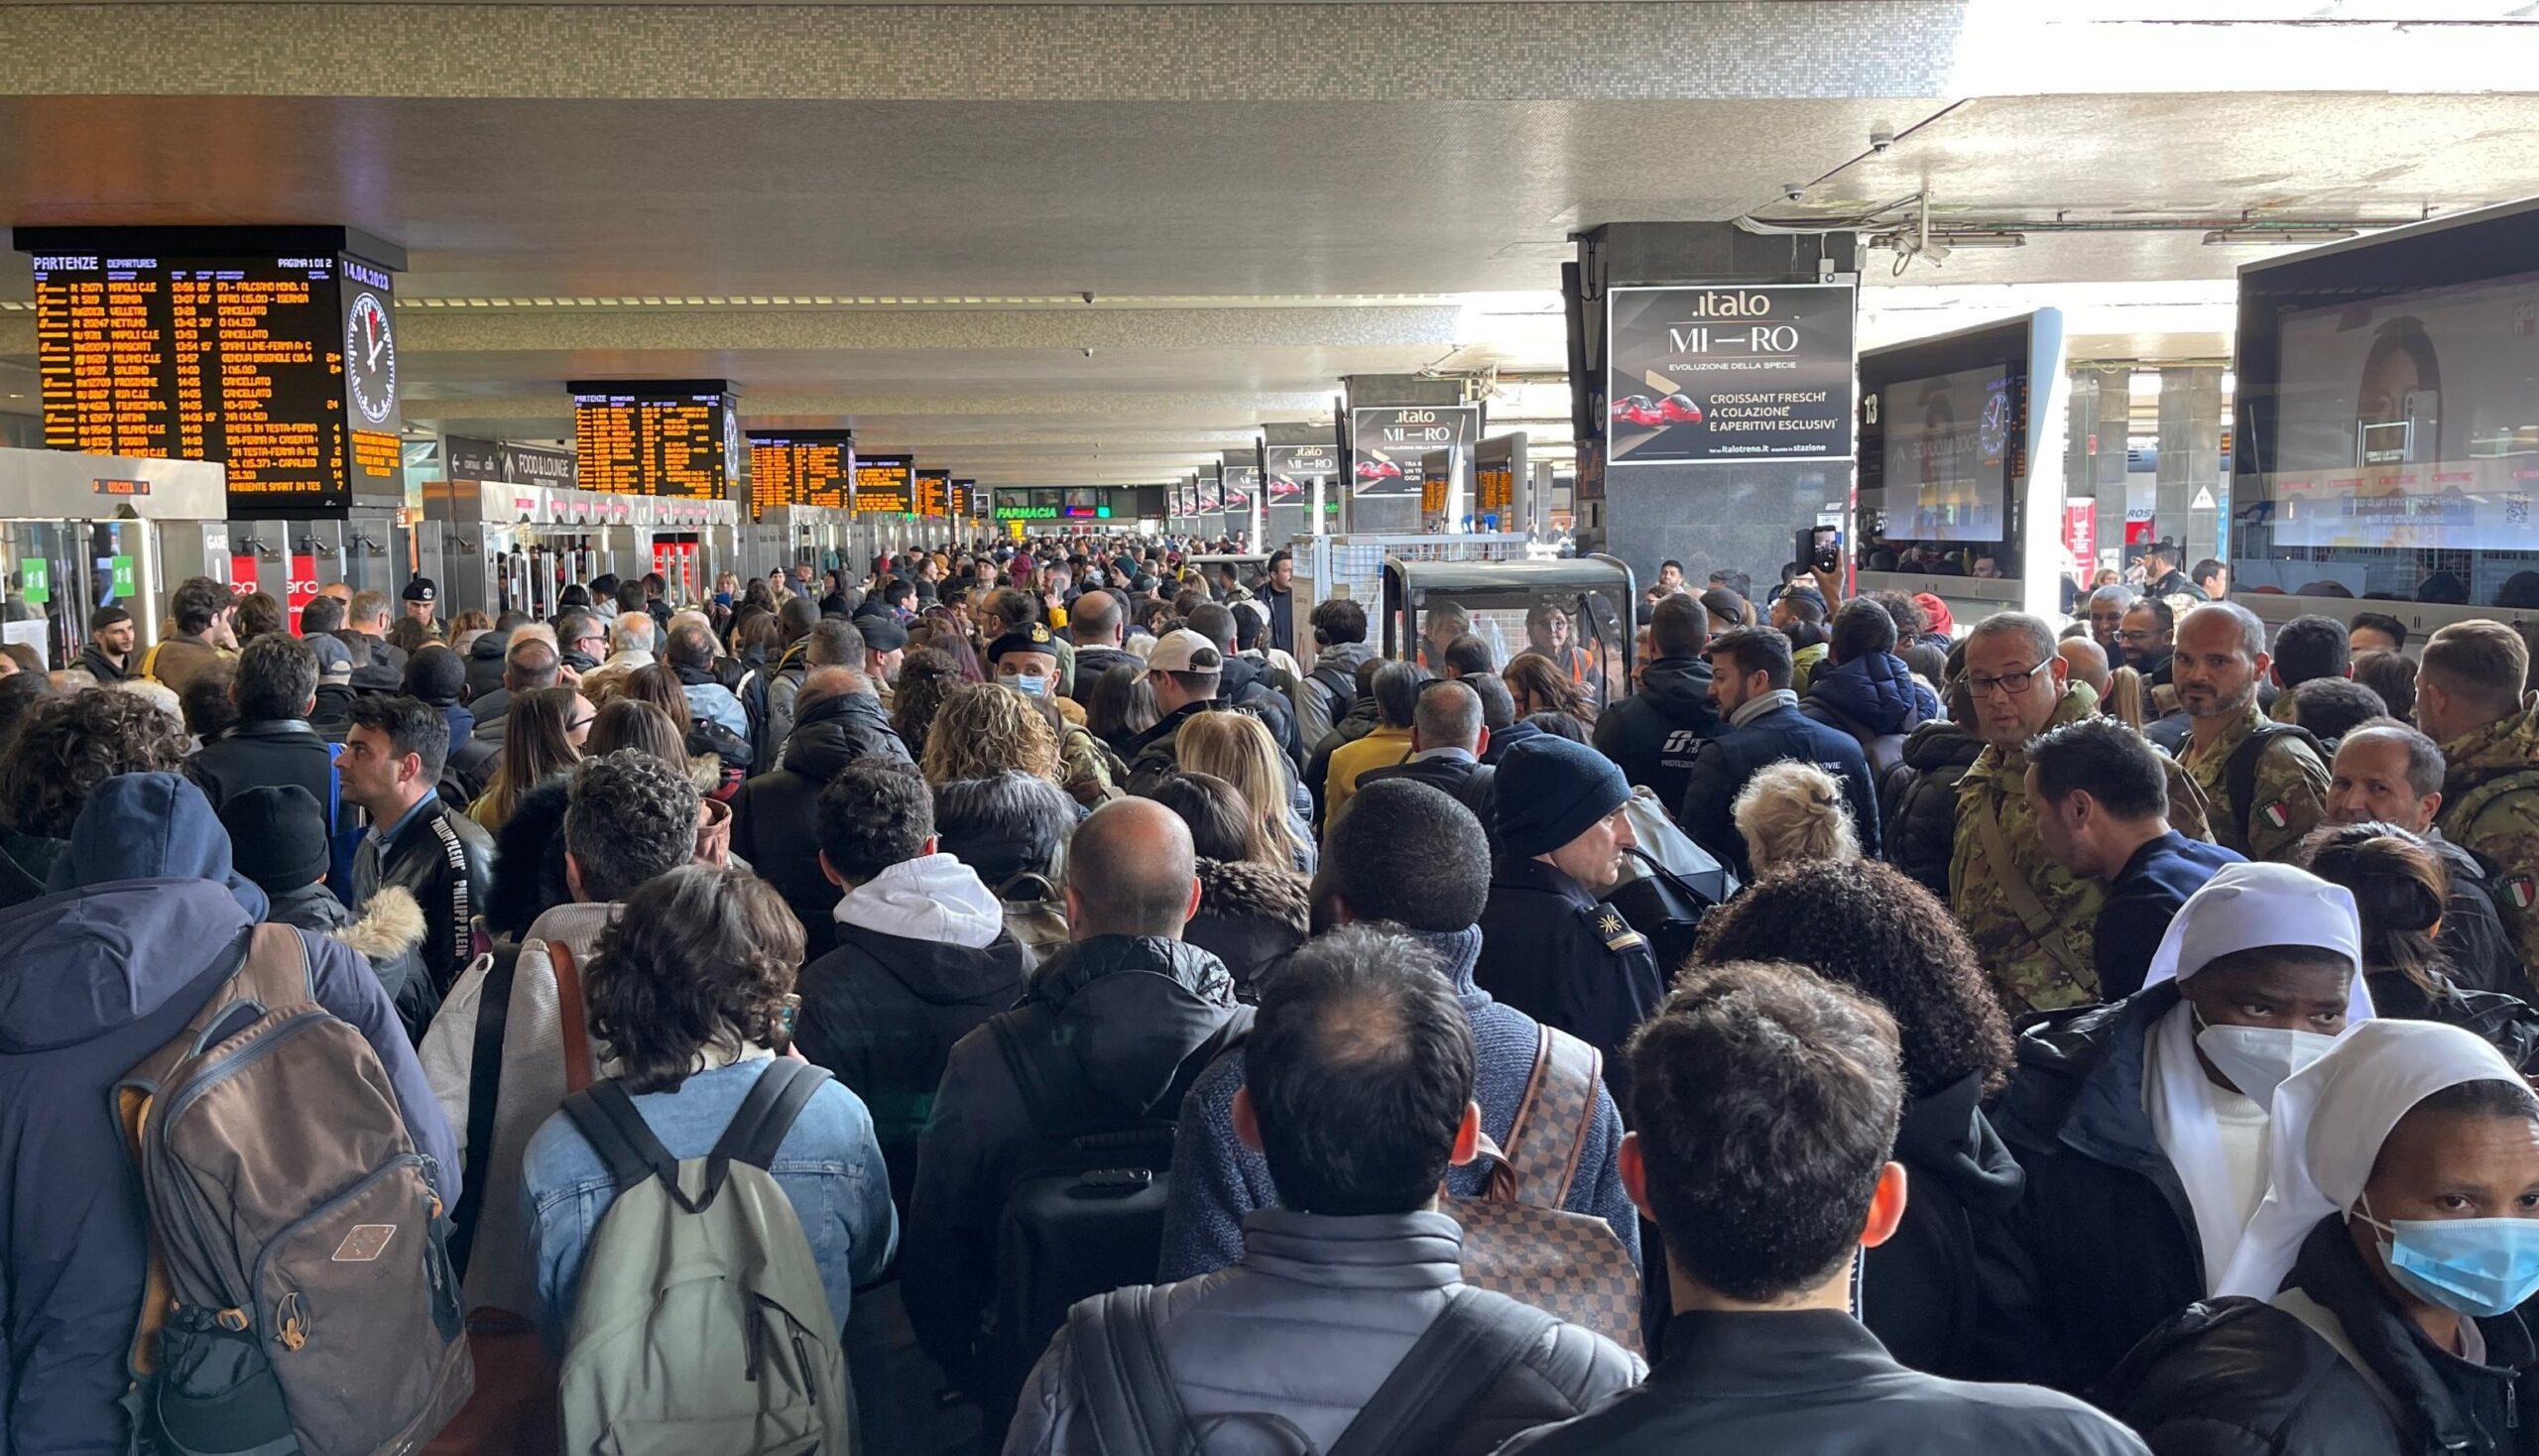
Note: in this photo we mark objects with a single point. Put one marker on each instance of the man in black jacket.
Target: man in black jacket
(1186, 670)
(838, 722)
(393, 759)
(1447, 740)
(922, 955)
(1240, 684)
(108, 654)
(1765, 1103)
(1655, 732)
(272, 744)
(1750, 680)
(1096, 622)
(1133, 1013)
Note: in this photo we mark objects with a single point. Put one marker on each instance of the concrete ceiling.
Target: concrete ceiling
(1245, 254)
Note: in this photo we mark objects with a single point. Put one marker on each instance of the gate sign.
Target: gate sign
(1387, 441)
(1713, 375)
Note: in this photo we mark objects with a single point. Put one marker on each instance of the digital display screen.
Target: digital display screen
(800, 468)
(934, 493)
(663, 439)
(1948, 456)
(2411, 420)
(1494, 487)
(284, 369)
(885, 485)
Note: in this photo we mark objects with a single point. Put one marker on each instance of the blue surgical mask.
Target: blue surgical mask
(1029, 685)
(2481, 1267)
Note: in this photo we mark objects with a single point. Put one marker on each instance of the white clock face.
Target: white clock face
(370, 358)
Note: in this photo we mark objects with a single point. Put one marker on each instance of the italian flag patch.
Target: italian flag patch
(2277, 815)
(2521, 891)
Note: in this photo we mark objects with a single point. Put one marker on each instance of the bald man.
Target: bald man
(2088, 661)
(1097, 621)
(1116, 1028)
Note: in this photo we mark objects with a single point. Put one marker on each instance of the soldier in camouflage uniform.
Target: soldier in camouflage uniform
(2469, 700)
(2030, 918)
(2221, 656)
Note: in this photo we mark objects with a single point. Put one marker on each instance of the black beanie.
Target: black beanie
(276, 837)
(1551, 790)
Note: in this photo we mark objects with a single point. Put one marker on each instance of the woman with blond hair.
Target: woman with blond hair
(1237, 747)
(982, 731)
(1792, 813)
(2126, 694)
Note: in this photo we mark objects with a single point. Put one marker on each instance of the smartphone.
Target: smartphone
(1820, 549)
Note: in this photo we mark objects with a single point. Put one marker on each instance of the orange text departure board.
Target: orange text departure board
(884, 485)
(801, 467)
(654, 438)
(284, 369)
(934, 493)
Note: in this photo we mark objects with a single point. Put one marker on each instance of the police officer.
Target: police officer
(422, 598)
(1550, 946)
(2260, 808)
(2032, 919)
(2469, 700)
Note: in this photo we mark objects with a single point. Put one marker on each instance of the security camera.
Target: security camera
(1881, 139)
(1793, 192)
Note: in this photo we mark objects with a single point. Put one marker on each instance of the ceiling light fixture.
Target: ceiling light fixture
(1957, 241)
(2279, 235)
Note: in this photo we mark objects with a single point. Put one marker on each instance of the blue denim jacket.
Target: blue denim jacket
(830, 1165)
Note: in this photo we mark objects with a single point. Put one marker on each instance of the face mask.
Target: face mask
(1029, 685)
(2257, 1059)
(2481, 1267)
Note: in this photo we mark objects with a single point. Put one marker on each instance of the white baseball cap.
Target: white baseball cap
(1184, 651)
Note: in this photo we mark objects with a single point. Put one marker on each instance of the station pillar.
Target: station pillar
(1714, 513)
(2192, 470)
(2094, 457)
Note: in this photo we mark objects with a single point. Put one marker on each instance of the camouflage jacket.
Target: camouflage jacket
(2035, 971)
(2491, 807)
(2291, 796)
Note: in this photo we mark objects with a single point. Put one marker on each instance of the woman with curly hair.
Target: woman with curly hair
(692, 991)
(60, 752)
(982, 731)
(927, 677)
(1925, 1293)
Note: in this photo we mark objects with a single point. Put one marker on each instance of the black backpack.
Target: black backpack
(1340, 685)
(1083, 1207)
(2240, 775)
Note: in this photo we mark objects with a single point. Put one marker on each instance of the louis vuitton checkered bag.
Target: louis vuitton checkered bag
(1519, 1239)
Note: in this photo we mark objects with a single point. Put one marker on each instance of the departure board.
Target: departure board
(653, 437)
(281, 367)
(799, 467)
(965, 500)
(934, 493)
(884, 485)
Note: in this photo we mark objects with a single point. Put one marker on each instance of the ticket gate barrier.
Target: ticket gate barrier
(84, 532)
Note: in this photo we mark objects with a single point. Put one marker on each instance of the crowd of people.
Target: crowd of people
(1043, 996)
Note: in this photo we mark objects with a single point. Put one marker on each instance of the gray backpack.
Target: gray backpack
(701, 1324)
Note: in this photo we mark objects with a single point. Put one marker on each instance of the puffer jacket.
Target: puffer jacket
(1877, 700)
(1918, 795)
(772, 814)
(1297, 1338)
(1142, 1017)
(1655, 732)
(1250, 917)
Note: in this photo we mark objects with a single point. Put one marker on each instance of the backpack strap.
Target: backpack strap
(2033, 917)
(2240, 775)
(1129, 1399)
(574, 1022)
(1425, 1402)
(1549, 1135)
(776, 1099)
(484, 1093)
(608, 1119)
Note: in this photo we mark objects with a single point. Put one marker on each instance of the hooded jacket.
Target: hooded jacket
(922, 958)
(1241, 684)
(1930, 1293)
(2242, 1377)
(446, 861)
(93, 980)
(98, 664)
(1141, 1017)
(1217, 1183)
(1877, 700)
(1359, 721)
(1917, 799)
(772, 814)
(1250, 917)
(1315, 709)
(2103, 1220)
(1655, 733)
(484, 666)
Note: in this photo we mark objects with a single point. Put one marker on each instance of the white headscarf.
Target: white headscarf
(2242, 906)
(2330, 1120)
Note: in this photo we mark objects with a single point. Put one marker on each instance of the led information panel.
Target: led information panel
(271, 350)
(653, 437)
(934, 493)
(801, 467)
(965, 499)
(885, 485)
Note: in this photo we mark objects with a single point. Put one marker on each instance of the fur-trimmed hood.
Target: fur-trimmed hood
(1233, 887)
(390, 927)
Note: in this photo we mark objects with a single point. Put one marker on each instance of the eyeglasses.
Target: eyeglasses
(2008, 685)
(578, 724)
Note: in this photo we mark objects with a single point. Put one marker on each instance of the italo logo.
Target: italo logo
(1731, 303)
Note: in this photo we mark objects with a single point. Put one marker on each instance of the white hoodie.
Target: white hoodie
(930, 897)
